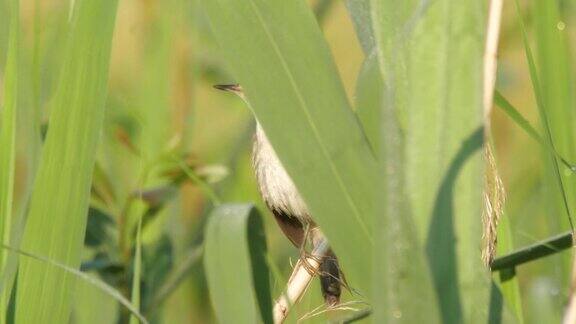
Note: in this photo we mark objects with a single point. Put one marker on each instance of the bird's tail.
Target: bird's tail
(331, 279)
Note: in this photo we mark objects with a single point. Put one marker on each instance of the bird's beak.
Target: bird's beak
(234, 88)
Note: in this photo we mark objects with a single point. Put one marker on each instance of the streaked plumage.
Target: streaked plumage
(283, 199)
(276, 187)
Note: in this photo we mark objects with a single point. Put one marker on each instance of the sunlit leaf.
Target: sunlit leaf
(8, 120)
(235, 264)
(278, 54)
(430, 57)
(59, 204)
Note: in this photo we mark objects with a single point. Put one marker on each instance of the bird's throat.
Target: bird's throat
(276, 186)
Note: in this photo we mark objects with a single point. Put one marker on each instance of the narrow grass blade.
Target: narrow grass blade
(523, 123)
(213, 196)
(431, 61)
(517, 117)
(235, 264)
(555, 76)
(110, 291)
(59, 204)
(534, 251)
(280, 58)
(564, 193)
(8, 120)
(552, 85)
(556, 90)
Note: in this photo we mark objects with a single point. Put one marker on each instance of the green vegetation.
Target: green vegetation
(126, 191)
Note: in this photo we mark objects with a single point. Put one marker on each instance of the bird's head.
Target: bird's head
(234, 88)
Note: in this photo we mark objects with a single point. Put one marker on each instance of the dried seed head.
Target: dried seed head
(494, 198)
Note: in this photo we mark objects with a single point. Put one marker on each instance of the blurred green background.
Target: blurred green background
(164, 64)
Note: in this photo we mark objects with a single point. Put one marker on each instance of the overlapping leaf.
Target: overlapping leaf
(278, 54)
(59, 203)
(235, 264)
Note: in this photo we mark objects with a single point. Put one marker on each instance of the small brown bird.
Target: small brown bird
(284, 201)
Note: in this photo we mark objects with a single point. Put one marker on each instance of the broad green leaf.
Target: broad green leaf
(430, 56)
(400, 269)
(280, 58)
(8, 120)
(235, 264)
(59, 204)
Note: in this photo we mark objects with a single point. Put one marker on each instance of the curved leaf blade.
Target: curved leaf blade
(92, 281)
(431, 61)
(235, 263)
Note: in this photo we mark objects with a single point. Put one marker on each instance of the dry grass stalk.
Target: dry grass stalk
(491, 57)
(494, 194)
(299, 281)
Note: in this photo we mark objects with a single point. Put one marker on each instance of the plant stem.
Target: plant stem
(532, 252)
(299, 281)
(490, 57)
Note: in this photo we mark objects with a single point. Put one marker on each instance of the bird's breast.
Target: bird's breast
(276, 186)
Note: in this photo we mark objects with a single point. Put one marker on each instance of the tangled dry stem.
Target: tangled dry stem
(306, 268)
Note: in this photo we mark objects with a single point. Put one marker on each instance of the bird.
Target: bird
(282, 198)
